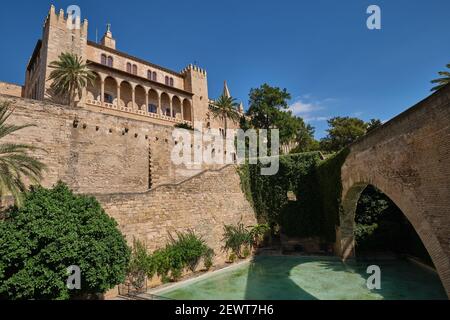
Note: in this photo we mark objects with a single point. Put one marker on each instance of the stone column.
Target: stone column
(170, 105)
(159, 104)
(146, 100)
(118, 96)
(133, 97)
(102, 92)
(182, 111)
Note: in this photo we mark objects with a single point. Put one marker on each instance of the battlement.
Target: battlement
(68, 20)
(192, 67)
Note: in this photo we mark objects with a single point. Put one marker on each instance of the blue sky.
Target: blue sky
(321, 51)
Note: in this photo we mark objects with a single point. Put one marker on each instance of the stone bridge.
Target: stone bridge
(408, 159)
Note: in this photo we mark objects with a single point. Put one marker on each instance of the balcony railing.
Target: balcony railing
(134, 111)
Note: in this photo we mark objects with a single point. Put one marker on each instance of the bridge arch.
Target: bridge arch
(407, 159)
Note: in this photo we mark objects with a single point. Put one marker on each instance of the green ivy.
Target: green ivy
(329, 190)
(316, 184)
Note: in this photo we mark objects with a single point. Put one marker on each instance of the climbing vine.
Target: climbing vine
(316, 184)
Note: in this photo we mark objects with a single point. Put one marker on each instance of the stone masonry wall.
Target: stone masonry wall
(10, 89)
(204, 203)
(94, 152)
(118, 159)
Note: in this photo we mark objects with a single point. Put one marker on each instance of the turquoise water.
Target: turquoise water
(304, 278)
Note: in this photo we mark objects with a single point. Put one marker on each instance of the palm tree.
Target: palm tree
(442, 82)
(15, 163)
(70, 76)
(224, 108)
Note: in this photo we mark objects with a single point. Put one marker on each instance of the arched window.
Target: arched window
(171, 82)
(167, 80)
(103, 59)
(155, 76)
(129, 67)
(134, 69)
(110, 61)
(149, 74)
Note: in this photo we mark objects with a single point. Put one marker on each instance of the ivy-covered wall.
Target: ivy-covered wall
(316, 184)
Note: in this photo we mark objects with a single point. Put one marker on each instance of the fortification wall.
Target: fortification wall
(94, 152)
(117, 158)
(203, 203)
(10, 89)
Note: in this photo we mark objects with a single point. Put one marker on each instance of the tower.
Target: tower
(195, 81)
(61, 33)
(226, 91)
(108, 40)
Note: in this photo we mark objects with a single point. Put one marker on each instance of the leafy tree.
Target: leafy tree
(342, 131)
(373, 124)
(304, 137)
(53, 230)
(15, 162)
(225, 108)
(443, 81)
(70, 76)
(266, 105)
(269, 109)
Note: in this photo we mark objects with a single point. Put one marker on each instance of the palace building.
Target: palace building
(124, 85)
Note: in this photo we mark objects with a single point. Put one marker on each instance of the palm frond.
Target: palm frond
(70, 76)
(15, 162)
(442, 81)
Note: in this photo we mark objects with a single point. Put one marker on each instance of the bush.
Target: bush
(236, 237)
(141, 265)
(232, 257)
(180, 253)
(208, 258)
(55, 229)
(258, 232)
(246, 252)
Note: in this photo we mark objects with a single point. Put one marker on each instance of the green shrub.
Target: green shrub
(232, 257)
(184, 251)
(236, 237)
(193, 248)
(55, 229)
(246, 252)
(141, 265)
(258, 232)
(208, 258)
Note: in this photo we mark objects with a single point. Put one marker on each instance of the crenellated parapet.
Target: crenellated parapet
(195, 68)
(66, 20)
